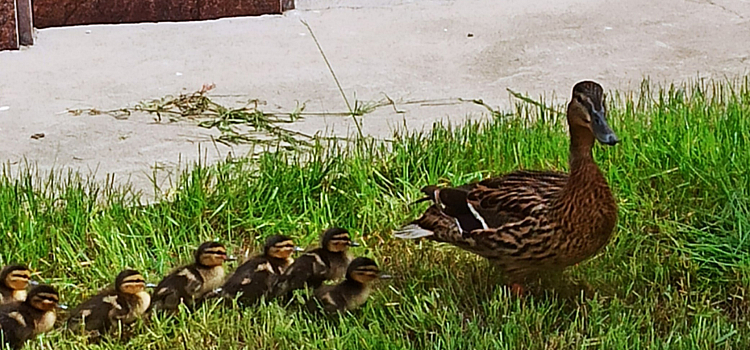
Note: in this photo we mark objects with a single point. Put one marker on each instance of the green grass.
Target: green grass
(675, 275)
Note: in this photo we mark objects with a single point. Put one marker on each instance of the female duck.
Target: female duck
(123, 304)
(14, 279)
(256, 277)
(190, 283)
(531, 221)
(328, 262)
(20, 321)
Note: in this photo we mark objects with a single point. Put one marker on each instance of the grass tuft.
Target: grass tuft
(675, 275)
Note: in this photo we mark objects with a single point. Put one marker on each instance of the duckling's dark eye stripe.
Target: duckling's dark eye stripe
(140, 280)
(45, 296)
(368, 269)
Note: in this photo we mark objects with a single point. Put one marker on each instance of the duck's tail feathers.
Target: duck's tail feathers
(430, 192)
(412, 231)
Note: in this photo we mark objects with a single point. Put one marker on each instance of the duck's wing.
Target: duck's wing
(93, 313)
(513, 198)
(242, 276)
(306, 268)
(178, 287)
(492, 203)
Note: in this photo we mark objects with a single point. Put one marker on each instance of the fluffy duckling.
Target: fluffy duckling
(257, 276)
(328, 262)
(349, 294)
(190, 283)
(14, 279)
(20, 321)
(124, 303)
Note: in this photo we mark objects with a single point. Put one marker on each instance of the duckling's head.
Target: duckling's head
(336, 240)
(587, 114)
(130, 282)
(211, 254)
(15, 277)
(279, 247)
(362, 270)
(43, 297)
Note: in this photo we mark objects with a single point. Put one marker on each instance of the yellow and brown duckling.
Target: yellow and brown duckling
(349, 294)
(20, 321)
(190, 283)
(328, 262)
(256, 277)
(14, 279)
(529, 222)
(124, 303)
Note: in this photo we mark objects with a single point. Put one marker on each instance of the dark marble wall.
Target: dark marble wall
(55, 13)
(8, 26)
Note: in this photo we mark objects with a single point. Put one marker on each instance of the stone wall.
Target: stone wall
(57, 13)
(8, 25)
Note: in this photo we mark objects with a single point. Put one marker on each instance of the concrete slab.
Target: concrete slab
(409, 50)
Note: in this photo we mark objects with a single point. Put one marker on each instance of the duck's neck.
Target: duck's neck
(354, 285)
(581, 142)
(585, 177)
(279, 264)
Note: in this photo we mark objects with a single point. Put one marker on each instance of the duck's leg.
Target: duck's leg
(517, 289)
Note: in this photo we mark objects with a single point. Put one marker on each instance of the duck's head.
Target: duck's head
(211, 254)
(363, 270)
(130, 282)
(336, 240)
(587, 114)
(279, 247)
(15, 277)
(43, 297)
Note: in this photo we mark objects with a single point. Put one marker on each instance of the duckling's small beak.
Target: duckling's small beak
(231, 258)
(353, 244)
(150, 285)
(299, 249)
(601, 129)
(62, 306)
(386, 276)
(33, 283)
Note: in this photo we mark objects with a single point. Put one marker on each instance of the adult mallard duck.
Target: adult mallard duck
(532, 221)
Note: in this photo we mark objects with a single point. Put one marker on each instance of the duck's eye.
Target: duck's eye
(586, 103)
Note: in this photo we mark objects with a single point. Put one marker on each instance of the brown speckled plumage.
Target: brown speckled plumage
(532, 221)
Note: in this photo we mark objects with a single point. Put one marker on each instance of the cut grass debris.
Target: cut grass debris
(675, 275)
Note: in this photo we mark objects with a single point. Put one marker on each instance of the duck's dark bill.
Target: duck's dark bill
(602, 131)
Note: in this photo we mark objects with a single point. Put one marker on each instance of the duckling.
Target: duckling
(20, 321)
(190, 283)
(124, 303)
(14, 279)
(328, 262)
(256, 277)
(528, 222)
(349, 294)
